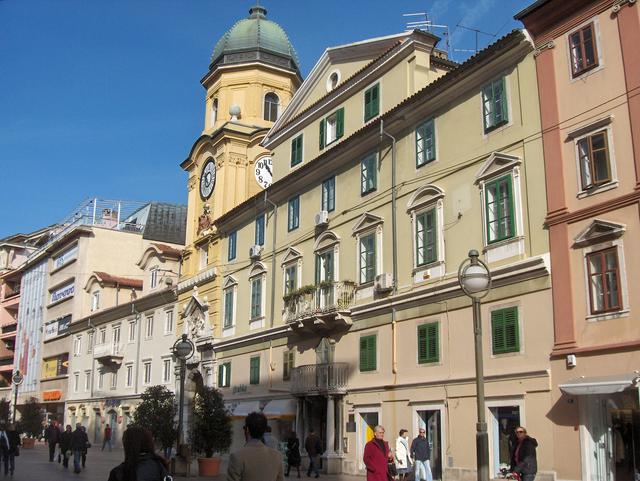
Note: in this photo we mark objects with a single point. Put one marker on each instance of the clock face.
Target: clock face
(208, 179)
(264, 172)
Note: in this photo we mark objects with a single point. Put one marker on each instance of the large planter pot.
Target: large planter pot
(28, 443)
(209, 466)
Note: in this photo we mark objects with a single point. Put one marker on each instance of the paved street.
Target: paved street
(34, 465)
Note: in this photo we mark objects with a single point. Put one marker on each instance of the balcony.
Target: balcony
(323, 308)
(108, 354)
(320, 379)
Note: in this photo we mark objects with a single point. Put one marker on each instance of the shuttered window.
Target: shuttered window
(231, 254)
(329, 194)
(288, 363)
(499, 209)
(296, 150)
(494, 105)
(228, 308)
(293, 213)
(259, 237)
(331, 128)
(256, 298)
(426, 238)
(505, 335)
(368, 353)
(224, 375)
(368, 174)
(367, 258)
(428, 343)
(371, 102)
(254, 370)
(425, 143)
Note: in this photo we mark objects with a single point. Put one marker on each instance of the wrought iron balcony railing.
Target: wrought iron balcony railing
(314, 379)
(326, 298)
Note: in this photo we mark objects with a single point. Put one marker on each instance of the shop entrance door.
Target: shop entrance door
(367, 421)
(430, 421)
(113, 422)
(503, 421)
(97, 429)
(597, 430)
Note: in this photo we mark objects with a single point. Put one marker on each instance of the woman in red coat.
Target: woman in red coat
(376, 456)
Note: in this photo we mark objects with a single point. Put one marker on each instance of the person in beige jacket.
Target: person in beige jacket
(255, 461)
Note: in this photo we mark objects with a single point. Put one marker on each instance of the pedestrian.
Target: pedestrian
(403, 460)
(4, 447)
(65, 445)
(86, 447)
(52, 436)
(313, 446)
(293, 453)
(106, 439)
(255, 461)
(377, 457)
(270, 440)
(79, 442)
(523, 455)
(14, 446)
(141, 463)
(421, 453)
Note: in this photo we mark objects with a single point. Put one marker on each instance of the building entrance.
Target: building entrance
(430, 421)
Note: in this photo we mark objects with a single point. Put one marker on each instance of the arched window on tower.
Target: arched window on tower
(214, 112)
(271, 105)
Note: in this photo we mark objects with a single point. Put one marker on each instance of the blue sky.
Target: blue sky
(102, 97)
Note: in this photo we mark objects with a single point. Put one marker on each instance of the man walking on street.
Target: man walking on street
(107, 437)
(523, 455)
(52, 436)
(313, 445)
(4, 448)
(65, 445)
(421, 453)
(79, 442)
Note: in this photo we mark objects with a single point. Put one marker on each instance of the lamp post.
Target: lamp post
(182, 349)
(475, 280)
(16, 379)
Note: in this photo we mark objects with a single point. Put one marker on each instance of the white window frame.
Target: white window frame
(614, 182)
(366, 225)
(147, 363)
(130, 374)
(133, 327)
(95, 301)
(258, 271)
(114, 380)
(103, 335)
(168, 326)
(77, 345)
(148, 327)
(154, 276)
(87, 381)
(596, 31)
(101, 380)
(497, 403)
(203, 256)
(278, 105)
(76, 381)
(90, 340)
(226, 378)
(166, 379)
(331, 128)
(213, 111)
(229, 284)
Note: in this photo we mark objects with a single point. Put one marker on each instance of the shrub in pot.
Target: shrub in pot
(31, 422)
(210, 430)
(156, 412)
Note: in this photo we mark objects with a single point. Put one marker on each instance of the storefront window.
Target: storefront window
(505, 420)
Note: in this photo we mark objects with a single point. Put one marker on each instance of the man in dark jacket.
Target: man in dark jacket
(52, 435)
(65, 445)
(420, 452)
(523, 455)
(313, 445)
(79, 442)
(14, 446)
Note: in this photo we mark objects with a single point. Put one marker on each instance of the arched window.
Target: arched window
(214, 112)
(271, 104)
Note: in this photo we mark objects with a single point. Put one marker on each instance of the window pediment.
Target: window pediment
(257, 269)
(365, 222)
(599, 231)
(291, 255)
(325, 240)
(425, 195)
(229, 282)
(497, 163)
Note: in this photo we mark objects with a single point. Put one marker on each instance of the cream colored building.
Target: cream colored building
(354, 317)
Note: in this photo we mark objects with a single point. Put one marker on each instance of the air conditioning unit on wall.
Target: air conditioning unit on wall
(255, 251)
(384, 282)
(322, 218)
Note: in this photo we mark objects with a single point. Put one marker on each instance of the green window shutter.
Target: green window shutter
(340, 123)
(322, 135)
(228, 380)
(254, 370)
(368, 353)
(220, 376)
(296, 150)
(371, 102)
(428, 343)
(505, 332)
(499, 209)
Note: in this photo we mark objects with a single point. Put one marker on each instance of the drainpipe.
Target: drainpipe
(394, 232)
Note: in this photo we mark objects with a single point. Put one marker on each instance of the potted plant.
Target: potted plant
(210, 430)
(156, 412)
(30, 422)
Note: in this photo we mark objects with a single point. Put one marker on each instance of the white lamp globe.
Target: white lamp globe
(475, 279)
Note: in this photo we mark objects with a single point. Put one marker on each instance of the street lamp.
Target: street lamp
(16, 379)
(182, 349)
(475, 280)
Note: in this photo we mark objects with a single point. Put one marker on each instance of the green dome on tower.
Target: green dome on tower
(255, 39)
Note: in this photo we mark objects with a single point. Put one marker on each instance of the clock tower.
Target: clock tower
(253, 73)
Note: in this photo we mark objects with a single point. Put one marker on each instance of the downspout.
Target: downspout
(394, 233)
(117, 292)
(272, 307)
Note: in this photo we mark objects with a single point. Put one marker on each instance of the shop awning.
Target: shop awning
(600, 384)
(280, 408)
(246, 407)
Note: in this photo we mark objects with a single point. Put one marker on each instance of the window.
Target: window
(368, 361)
(95, 301)
(329, 194)
(154, 277)
(233, 237)
(224, 375)
(116, 336)
(271, 106)
(204, 256)
(367, 258)
(228, 307)
(132, 330)
(214, 112)
(254, 370)
(87, 381)
(293, 213)
(166, 370)
(428, 344)
(499, 209)
(288, 363)
(331, 128)
(296, 150)
(148, 333)
(256, 297)
(603, 272)
(290, 278)
(129, 375)
(260, 230)
(333, 80)
(103, 335)
(90, 343)
(426, 237)
(101, 381)
(582, 46)
(371, 102)
(77, 345)
(425, 143)
(114, 380)
(168, 322)
(593, 158)
(368, 174)
(494, 105)
(76, 381)
(504, 330)
(147, 372)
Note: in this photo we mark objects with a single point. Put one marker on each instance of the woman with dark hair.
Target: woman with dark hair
(141, 463)
(293, 453)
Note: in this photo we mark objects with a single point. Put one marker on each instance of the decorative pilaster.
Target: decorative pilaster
(339, 424)
(331, 426)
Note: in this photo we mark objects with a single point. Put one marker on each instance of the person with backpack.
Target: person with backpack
(141, 463)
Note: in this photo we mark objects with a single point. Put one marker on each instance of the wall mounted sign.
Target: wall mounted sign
(66, 257)
(53, 395)
(63, 292)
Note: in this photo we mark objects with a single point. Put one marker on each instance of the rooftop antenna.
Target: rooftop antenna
(477, 32)
(426, 25)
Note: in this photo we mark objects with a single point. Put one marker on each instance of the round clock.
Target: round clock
(264, 172)
(208, 179)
